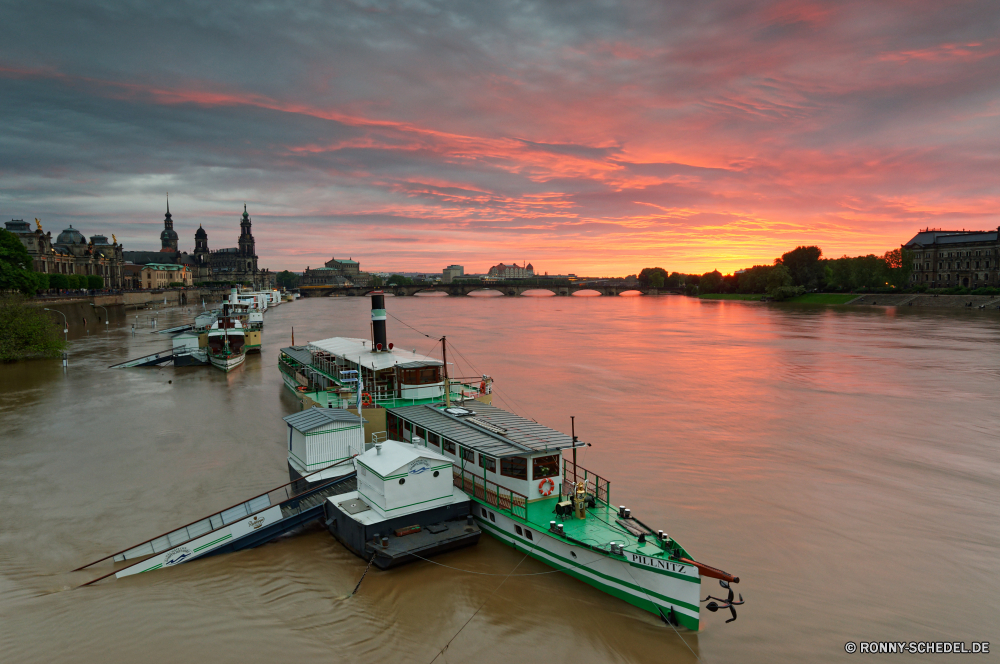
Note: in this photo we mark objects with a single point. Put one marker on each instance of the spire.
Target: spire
(168, 202)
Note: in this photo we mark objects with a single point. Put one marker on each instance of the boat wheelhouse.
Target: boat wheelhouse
(527, 495)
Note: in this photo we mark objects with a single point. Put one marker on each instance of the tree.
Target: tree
(779, 277)
(653, 277)
(400, 280)
(16, 273)
(95, 282)
(804, 266)
(286, 279)
(710, 282)
(27, 331)
(76, 281)
(868, 272)
(42, 281)
(59, 281)
(899, 266)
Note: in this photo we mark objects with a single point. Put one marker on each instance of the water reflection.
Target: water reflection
(827, 455)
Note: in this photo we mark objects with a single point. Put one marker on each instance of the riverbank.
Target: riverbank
(808, 298)
(89, 310)
(878, 299)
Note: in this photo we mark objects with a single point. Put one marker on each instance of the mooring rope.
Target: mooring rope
(442, 651)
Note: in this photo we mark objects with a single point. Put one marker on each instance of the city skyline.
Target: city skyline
(592, 137)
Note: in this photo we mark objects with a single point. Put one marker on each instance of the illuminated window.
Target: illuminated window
(547, 466)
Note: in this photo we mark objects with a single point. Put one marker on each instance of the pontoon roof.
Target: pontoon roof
(318, 418)
(487, 429)
(360, 350)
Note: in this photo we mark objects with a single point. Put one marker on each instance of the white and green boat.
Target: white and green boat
(528, 496)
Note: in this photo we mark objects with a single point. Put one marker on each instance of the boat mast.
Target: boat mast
(447, 384)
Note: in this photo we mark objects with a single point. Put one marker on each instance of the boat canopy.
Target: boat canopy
(360, 350)
(486, 429)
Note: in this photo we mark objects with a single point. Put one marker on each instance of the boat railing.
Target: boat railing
(283, 495)
(491, 493)
(379, 437)
(596, 485)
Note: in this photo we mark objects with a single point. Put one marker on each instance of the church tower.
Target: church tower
(168, 238)
(247, 248)
(201, 246)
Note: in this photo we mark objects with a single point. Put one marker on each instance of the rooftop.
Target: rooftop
(952, 237)
(321, 418)
(360, 350)
(395, 454)
(487, 429)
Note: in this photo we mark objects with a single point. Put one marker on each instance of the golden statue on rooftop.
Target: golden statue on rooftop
(38, 223)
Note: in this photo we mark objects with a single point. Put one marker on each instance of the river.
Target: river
(842, 461)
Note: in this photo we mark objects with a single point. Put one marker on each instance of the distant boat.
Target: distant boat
(226, 340)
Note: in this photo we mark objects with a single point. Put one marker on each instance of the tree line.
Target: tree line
(795, 272)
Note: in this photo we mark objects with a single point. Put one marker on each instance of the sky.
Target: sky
(584, 137)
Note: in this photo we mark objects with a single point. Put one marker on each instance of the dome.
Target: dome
(200, 234)
(99, 240)
(71, 236)
(167, 234)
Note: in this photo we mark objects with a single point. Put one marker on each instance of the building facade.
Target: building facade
(71, 252)
(452, 272)
(160, 275)
(233, 265)
(337, 272)
(945, 259)
(503, 272)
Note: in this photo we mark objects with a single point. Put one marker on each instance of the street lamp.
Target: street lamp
(66, 328)
(106, 328)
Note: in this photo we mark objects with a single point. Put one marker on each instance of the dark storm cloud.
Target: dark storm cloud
(549, 129)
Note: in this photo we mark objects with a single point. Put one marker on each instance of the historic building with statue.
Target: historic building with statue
(71, 252)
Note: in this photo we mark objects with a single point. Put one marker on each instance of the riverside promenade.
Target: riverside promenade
(928, 300)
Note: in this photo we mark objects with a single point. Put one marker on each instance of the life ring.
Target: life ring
(552, 486)
(366, 399)
(482, 387)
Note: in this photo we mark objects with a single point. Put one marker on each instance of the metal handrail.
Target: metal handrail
(491, 493)
(602, 487)
(219, 513)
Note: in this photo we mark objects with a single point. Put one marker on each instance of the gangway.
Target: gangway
(243, 526)
(176, 330)
(159, 357)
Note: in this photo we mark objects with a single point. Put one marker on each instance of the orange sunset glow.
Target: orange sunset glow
(587, 138)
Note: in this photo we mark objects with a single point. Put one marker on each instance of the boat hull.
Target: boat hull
(227, 362)
(641, 585)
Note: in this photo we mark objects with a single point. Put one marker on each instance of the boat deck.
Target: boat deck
(602, 526)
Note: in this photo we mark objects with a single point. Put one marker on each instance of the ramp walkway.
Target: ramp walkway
(159, 357)
(245, 525)
(177, 330)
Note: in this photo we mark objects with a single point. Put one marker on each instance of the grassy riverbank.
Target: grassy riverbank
(808, 298)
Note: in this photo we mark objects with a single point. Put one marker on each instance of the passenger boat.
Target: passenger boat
(248, 308)
(521, 489)
(226, 342)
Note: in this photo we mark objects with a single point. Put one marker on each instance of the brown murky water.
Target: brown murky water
(843, 462)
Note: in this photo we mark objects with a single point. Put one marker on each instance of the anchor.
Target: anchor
(723, 603)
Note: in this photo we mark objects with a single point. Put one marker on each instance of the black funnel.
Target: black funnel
(378, 321)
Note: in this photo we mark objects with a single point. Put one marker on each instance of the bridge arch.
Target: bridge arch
(587, 292)
(485, 292)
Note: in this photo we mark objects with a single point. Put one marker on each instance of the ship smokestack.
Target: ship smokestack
(378, 321)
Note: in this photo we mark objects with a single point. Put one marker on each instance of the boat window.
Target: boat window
(392, 424)
(489, 463)
(429, 375)
(546, 466)
(421, 432)
(407, 426)
(449, 446)
(516, 467)
(483, 510)
(527, 533)
(493, 517)
(519, 531)
(467, 454)
(434, 439)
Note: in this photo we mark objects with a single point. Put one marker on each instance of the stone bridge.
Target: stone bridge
(506, 288)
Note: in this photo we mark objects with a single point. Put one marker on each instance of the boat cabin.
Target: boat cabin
(387, 375)
(323, 438)
(397, 478)
(488, 446)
